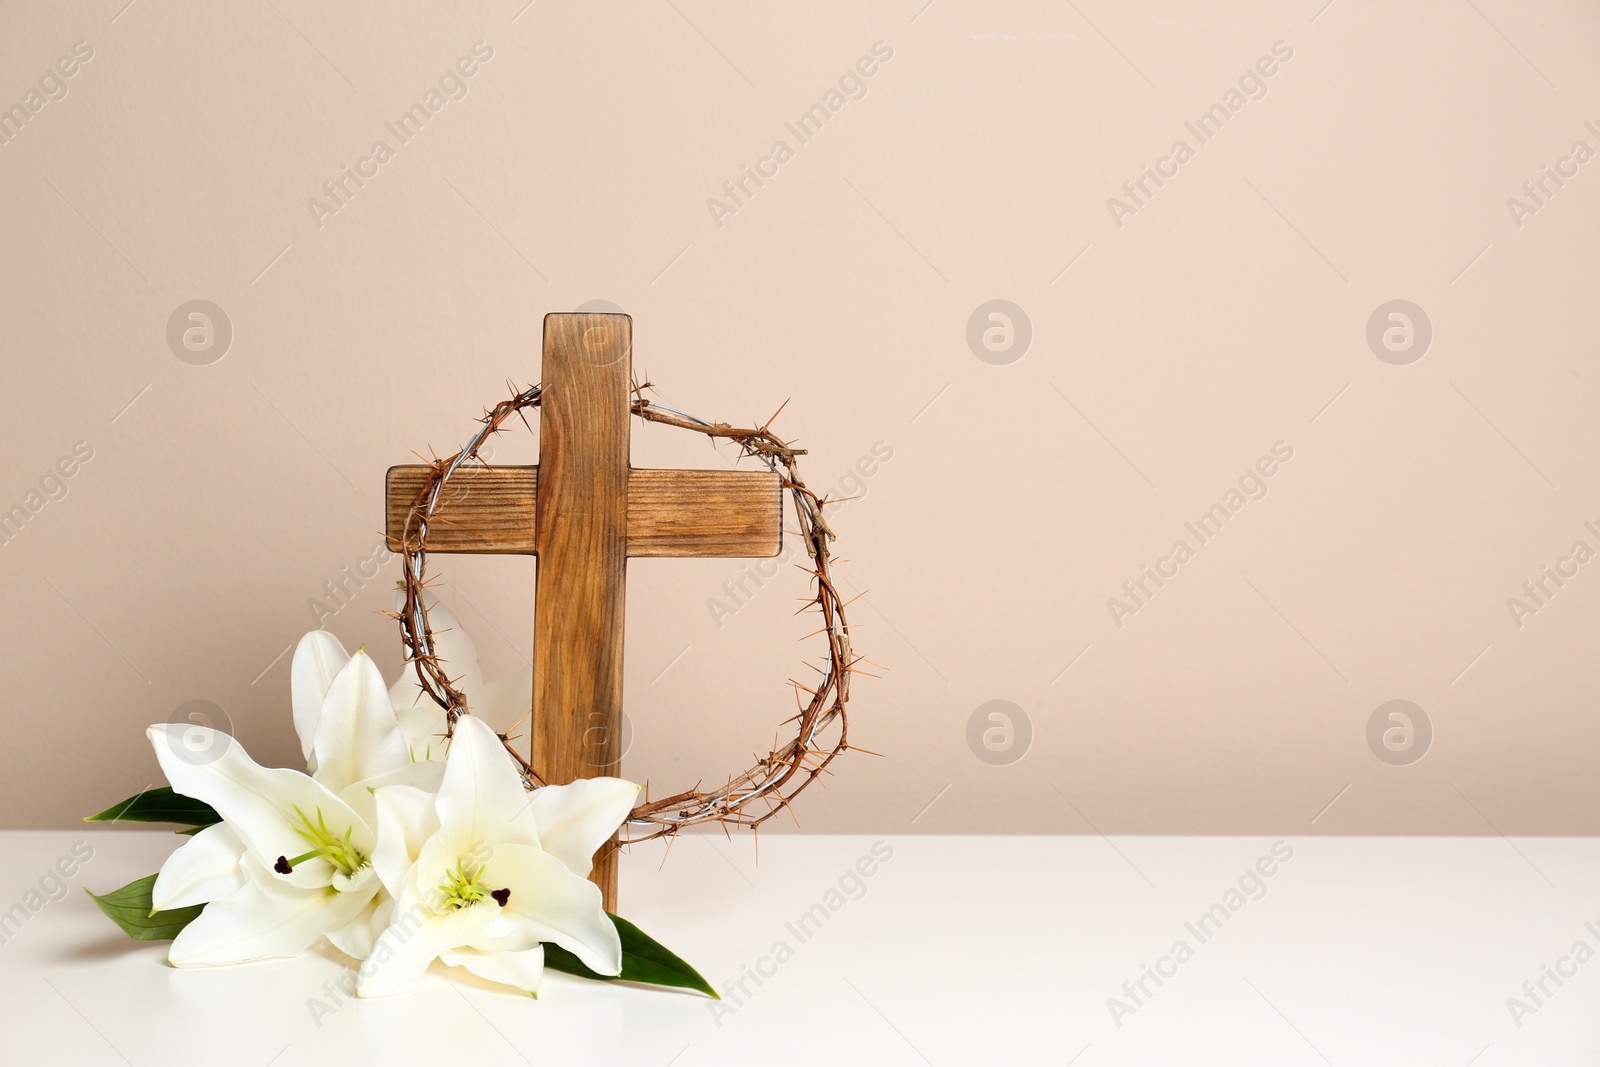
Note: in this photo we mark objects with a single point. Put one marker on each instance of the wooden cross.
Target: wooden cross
(583, 511)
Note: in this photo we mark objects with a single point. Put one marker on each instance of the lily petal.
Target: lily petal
(406, 820)
(362, 795)
(561, 906)
(203, 870)
(404, 951)
(481, 798)
(356, 937)
(575, 819)
(317, 659)
(520, 970)
(258, 803)
(263, 919)
(504, 702)
(422, 726)
(357, 735)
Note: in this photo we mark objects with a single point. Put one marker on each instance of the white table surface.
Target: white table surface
(961, 950)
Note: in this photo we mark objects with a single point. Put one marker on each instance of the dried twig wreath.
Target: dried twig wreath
(750, 798)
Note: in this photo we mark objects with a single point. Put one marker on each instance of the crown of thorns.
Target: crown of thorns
(820, 725)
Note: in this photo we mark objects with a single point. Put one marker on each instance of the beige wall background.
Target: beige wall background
(1175, 341)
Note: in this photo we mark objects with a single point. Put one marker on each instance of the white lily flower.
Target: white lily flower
(500, 703)
(291, 860)
(483, 873)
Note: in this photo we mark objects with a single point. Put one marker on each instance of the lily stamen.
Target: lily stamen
(462, 889)
(336, 850)
(286, 865)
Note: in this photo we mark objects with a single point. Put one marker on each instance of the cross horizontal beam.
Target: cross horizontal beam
(670, 512)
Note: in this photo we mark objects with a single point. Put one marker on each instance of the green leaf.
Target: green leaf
(644, 960)
(129, 907)
(160, 805)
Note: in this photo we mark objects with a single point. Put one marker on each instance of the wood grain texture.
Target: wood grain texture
(704, 513)
(482, 510)
(581, 526)
(670, 512)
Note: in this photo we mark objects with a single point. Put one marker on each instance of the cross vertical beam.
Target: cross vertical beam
(581, 526)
